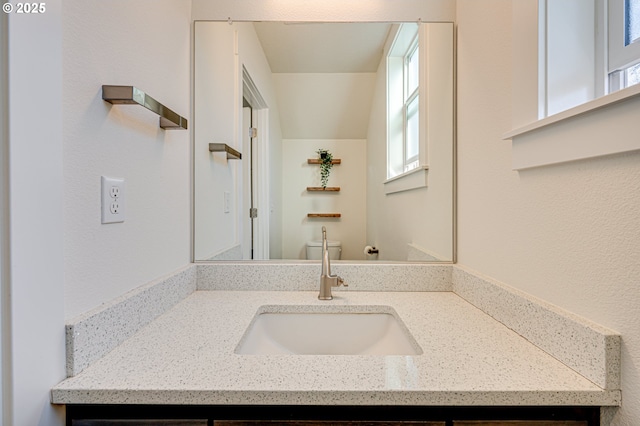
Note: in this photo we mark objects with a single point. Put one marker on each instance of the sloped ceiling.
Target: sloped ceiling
(324, 75)
(322, 47)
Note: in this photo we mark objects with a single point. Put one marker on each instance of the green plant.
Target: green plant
(326, 164)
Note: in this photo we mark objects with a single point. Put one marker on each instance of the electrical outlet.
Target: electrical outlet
(112, 200)
(114, 207)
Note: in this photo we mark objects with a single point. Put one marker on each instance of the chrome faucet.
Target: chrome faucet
(326, 279)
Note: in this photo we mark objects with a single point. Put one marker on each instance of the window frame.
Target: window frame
(606, 58)
(537, 143)
(410, 163)
(405, 44)
(620, 57)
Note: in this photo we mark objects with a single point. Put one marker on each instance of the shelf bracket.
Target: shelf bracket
(130, 95)
(232, 154)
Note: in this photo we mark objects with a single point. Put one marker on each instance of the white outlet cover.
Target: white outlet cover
(113, 199)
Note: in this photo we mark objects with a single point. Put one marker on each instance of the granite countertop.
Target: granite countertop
(186, 356)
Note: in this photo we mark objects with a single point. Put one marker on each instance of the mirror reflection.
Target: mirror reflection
(342, 125)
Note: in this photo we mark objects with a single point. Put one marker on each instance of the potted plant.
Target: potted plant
(326, 163)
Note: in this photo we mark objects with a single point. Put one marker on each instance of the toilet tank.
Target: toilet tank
(314, 250)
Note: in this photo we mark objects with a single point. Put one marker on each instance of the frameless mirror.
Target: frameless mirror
(270, 98)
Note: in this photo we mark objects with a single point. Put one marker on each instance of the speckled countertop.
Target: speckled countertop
(186, 356)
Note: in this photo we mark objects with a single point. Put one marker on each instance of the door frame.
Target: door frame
(260, 161)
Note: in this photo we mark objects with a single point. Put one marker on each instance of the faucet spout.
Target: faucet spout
(326, 264)
(326, 279)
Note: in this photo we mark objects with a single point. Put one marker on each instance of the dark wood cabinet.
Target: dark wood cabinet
(520, 423)
(140, 422)
(327, 415)
(321, 423)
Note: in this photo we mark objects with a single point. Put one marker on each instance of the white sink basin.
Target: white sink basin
(327, 330)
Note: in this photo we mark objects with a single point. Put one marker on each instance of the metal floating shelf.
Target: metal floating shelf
(130, 95)
(232, 154)
(325, 215)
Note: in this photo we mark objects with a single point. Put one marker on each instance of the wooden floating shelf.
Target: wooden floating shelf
(321, 189)
(318, 161)
(314, 215)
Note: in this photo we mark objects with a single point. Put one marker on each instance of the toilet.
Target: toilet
(314, 250)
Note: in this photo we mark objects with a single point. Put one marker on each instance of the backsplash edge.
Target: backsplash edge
(305, 276)
(93, 334)
(590, 349)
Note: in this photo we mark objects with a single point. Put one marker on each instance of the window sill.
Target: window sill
(602, 102)
(581, 132)
(413, 179)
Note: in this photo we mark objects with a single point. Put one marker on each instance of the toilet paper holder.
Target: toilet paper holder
(369, 250)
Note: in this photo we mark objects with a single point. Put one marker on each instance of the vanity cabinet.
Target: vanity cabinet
(325, 423)
(520, 423)
(327, 415)
(322, 423)
(139, 422)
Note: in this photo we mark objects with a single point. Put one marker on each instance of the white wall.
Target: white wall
(324, 105)
(105, 43)
(63, 137)
(421, 216)
(328, 111)
(36, 314)
(567, 233)
(217, 119)
(350, 201)
(214, 121)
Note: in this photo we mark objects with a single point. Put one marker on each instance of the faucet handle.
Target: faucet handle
(341, 282)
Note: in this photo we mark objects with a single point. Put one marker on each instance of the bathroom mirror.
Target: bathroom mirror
(270, 96)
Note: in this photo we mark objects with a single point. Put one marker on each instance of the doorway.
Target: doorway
(255, 171)
(250, 218)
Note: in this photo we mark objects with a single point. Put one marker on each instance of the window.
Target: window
(411, 109)
(403, 102)
(420, 104)
(567, 55)
(623, 43)
(633, 75)
(632, 21)
(587, 49)
(582, 46)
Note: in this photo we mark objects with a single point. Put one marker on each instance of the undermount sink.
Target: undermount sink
(327, 330)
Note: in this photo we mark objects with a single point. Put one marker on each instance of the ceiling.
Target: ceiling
(324, 75)
(311, 47)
